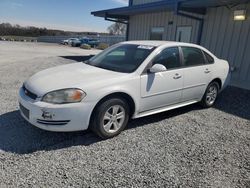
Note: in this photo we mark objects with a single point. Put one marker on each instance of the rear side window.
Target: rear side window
(193, 56)
(209, 58)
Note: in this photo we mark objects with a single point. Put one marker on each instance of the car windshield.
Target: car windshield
(124, 58)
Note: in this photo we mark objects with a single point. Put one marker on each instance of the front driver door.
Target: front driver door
(163, 88)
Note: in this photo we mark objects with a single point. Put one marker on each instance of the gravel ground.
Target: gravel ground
(187, 147)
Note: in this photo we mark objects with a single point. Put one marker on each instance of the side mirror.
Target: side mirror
(157, 68)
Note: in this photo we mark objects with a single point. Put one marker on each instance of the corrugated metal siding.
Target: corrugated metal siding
(137, 2)
(230, 40)
(226, 38)
(140, 25)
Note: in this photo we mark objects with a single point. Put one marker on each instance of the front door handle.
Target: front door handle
(207, 71)
(177, 76)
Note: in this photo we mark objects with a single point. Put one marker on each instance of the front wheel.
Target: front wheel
(110, 118)
(210, 95)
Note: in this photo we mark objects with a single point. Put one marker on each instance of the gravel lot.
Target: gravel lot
(187, 147)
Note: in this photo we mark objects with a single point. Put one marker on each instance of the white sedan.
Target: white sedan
(128, 80)
(69, 41)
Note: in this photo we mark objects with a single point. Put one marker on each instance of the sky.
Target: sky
(69, 15)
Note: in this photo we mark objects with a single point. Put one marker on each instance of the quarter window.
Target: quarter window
(209, 58)
(169, 57)
(192, 56)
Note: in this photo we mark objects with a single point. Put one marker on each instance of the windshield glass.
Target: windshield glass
(124, 58)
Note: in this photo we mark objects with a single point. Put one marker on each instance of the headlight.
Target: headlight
(64, 96)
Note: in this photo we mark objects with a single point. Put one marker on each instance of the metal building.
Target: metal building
(223, 27)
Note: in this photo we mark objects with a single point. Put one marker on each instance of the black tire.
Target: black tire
(98, 120)
(205, 102)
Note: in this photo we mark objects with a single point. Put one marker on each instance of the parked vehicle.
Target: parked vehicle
(89, 41)
(76, 43)
(68, 41)
(128, 80)
(92, 42)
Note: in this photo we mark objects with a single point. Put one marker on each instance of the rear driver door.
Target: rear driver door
(197, 74)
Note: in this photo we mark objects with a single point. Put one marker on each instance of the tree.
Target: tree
(31, 31)
(117, 29)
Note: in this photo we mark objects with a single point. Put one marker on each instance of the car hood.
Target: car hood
(75, 75)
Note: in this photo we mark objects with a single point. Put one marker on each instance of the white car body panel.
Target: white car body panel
(195, 82)
(156, 88)
(77, 113)
(69, 76)
(151, 93)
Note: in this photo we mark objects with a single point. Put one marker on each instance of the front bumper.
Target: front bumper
(52, 117)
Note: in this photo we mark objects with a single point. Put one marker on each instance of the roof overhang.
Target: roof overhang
(194, 6)
(125, 12)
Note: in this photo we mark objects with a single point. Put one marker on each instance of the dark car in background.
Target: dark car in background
(89, 41)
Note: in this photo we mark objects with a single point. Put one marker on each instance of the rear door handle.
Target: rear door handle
(207, 71)
(177, 76)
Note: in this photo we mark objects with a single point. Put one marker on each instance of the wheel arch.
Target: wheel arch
(122, 95)
(219, 81)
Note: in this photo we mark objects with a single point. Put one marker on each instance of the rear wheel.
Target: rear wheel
(110, 118)
(210, 95)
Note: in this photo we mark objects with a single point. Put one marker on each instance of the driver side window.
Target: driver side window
(169, 57)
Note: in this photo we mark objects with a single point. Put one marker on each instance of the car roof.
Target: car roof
(157, 43)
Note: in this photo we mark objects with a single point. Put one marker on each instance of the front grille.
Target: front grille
(29, 93)
(51, 122)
